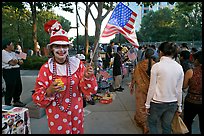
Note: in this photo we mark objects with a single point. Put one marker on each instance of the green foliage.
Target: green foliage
(17, 25)
(183, 23)
(34, 62)
(81, 41)
(188, 17)
(66, 24)
(17, 21)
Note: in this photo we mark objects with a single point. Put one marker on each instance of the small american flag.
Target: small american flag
(122, 21)
(105, 74)
(131, 54)
(21, 55)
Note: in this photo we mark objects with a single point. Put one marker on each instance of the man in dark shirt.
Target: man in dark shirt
(109, 55)
(117, 70)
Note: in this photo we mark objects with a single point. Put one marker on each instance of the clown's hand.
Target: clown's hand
(52, 89)
(88, 97)
(88, 71)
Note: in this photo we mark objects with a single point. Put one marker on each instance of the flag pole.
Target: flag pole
(94, 52)
(97, 45)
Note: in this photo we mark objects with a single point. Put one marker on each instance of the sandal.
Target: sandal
(145, 130)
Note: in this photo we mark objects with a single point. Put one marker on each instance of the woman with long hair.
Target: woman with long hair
(140, 80)
(193, 99)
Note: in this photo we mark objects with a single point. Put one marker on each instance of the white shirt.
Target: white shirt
(115, 46)
(6, 57)
(166, 82)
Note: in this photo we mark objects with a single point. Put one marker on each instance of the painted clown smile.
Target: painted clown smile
(60, 52)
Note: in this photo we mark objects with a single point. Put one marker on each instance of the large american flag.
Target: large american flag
(122, 21)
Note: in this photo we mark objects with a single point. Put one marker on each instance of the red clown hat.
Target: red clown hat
(57, 34)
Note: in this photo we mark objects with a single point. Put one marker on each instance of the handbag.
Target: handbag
(178, 126)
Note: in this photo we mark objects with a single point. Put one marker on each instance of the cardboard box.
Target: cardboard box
(15, 120)
(35, 111)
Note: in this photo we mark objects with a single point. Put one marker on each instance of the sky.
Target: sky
(91, 28)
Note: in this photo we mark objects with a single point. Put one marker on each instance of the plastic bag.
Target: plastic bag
(178, 126)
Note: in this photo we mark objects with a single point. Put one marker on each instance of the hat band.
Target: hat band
(59, 38)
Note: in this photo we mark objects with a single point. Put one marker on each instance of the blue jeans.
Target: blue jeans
(161, 114)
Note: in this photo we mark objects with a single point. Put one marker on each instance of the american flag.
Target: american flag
(122, 21)
(22, 55)
(131, 54)
(105, 74)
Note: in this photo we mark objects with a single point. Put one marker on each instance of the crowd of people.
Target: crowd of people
(166, 81)
(160, 92)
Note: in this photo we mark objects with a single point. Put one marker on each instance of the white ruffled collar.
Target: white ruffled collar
(61, 69)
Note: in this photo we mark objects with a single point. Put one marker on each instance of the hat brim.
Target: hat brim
(60, 43)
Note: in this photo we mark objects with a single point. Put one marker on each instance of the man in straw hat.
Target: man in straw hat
(60, 84)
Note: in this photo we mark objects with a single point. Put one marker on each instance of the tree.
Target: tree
(88, 5)
(98, 20)
(184, 19)
(109, 7)
(38, 5)
(14, 24)
(41, 5)
(157, 26)
(81, 42)
(11, 23)
(188, 17)
(87, 11)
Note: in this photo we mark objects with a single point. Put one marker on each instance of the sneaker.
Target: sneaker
(19, 104)
(119, 90)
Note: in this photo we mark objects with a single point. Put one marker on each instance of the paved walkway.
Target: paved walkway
(113, 118)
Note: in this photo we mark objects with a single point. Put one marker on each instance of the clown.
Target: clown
(64, 105)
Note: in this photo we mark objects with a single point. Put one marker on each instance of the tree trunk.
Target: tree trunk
(33, 9)
(97, 35)
(86, 33)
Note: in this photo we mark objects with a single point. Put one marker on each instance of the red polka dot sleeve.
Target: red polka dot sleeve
(87, 86)
(42, 83)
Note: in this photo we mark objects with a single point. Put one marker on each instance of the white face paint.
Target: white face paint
(60, 52)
